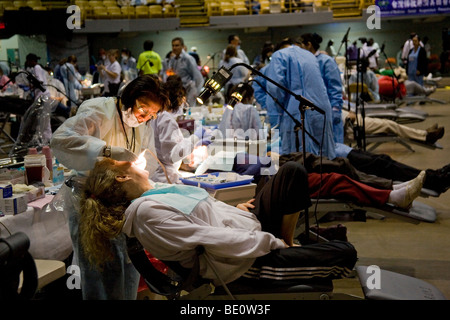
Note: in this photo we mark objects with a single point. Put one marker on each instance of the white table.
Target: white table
(47, 230)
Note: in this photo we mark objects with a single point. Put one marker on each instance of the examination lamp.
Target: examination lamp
(237, 95)
(214, 84)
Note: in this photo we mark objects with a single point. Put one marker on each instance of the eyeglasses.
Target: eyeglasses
(145, 111)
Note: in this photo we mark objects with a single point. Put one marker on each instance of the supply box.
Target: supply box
(6, 191)
(15, 204)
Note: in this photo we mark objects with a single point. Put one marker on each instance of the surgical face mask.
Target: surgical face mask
(129, 118)
(104, 57)
(124, 57)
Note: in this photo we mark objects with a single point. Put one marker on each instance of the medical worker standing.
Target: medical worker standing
(115, 127)
(332, 79)
(298, 70)
(184, 65)
(171, 143)
(243, 120)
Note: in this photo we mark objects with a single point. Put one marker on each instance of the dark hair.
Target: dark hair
(230, 52)
(248, 94)
(176, 91)
(145, 86)
(231, 37)
(314, 38)
(265, 52)
(72, 59)
(148, 45)
(284, 42)
(127, 51)
(178, 39)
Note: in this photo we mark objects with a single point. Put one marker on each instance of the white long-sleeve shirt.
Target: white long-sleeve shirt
(171, 146)
(80, 139)
(232, 238)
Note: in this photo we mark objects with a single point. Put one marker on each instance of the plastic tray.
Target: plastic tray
(241, 181)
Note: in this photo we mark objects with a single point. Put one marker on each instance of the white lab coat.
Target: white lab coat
(80, 139)
(39, 73)
(241, 122)
(232, 238)
(171, 146)
(115, 68)
(71, 83)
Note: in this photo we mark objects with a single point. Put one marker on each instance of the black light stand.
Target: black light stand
(298, 125)
(63, 93)
(146, 61)
(360, 132)
(344, 42)
(213, 58)
(30, 77)
(395, 90)
(223, 75)
(346, 73)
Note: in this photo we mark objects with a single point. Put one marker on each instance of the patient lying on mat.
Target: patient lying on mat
(375, 125)
(170, 221)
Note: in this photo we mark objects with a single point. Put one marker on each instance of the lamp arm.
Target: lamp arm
(297, 123)
(303, 101)
(63, 93)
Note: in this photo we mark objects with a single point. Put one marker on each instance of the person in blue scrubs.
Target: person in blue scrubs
(417, 65)
(332, 77)
(298, 70)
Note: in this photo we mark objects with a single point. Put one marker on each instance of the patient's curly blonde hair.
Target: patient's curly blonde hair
(103, 204)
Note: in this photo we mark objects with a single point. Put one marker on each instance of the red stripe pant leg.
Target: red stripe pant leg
(339, 186)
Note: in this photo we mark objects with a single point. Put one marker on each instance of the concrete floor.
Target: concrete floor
(418, 250)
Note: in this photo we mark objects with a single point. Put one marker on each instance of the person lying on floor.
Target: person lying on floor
(401, 87)
(375, 125)
(382, 165)
(171, 221)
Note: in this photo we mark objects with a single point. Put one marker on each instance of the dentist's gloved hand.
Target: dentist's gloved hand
(199, 132)
(122, 154)
(202, 136)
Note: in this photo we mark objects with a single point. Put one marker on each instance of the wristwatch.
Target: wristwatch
(107, 151)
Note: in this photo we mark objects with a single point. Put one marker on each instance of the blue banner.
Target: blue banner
(389, 8)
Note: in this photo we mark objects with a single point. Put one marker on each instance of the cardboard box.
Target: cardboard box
(6, 191)
(16, 204)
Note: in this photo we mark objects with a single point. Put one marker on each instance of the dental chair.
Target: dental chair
(186, 284)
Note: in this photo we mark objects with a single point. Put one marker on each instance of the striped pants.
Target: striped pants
(285, 193)
(329, 260)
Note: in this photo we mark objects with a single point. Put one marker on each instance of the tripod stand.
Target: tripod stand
(395, 89)
(299, 125)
